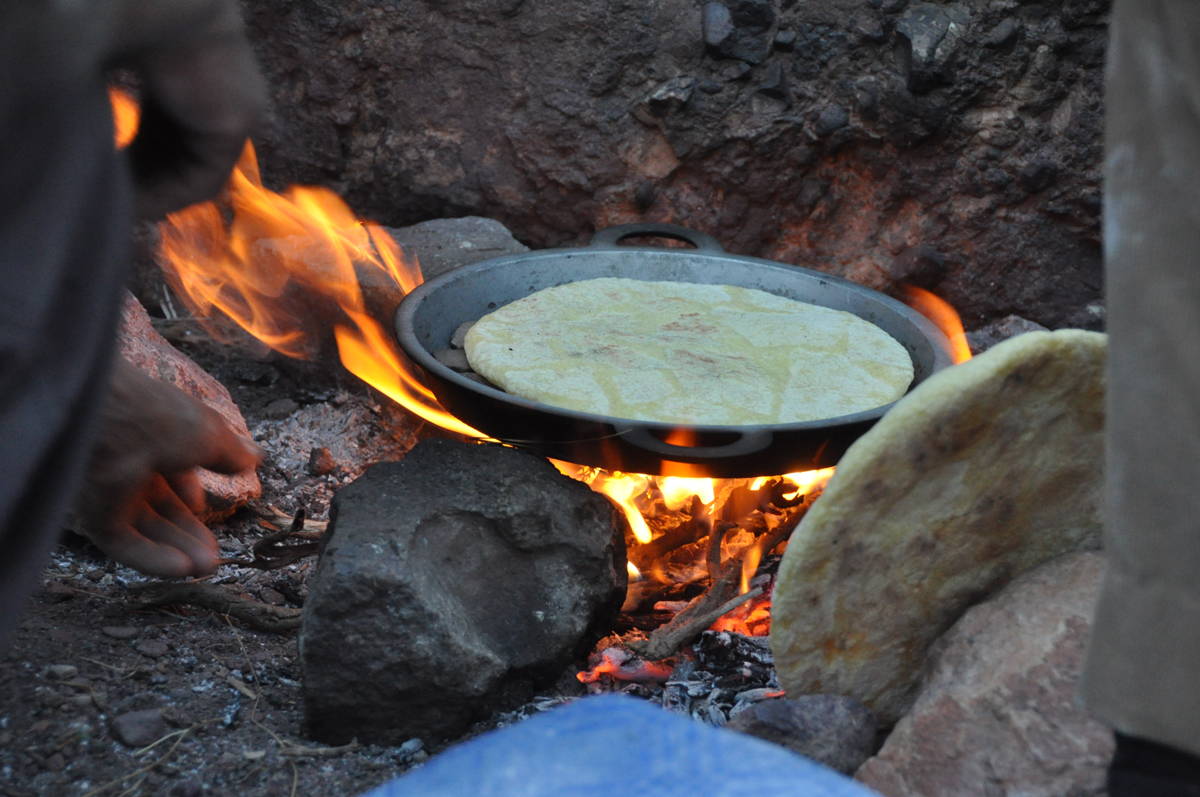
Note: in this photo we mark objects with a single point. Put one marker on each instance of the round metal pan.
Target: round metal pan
(428, 316)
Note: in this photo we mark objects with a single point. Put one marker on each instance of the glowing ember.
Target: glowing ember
(126, 116)
(621, 665)
(943, 316)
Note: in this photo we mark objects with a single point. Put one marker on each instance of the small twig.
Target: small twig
(241, 686)
(148, 767)
(88, 592)
(255, 614)
(299, 751)
(296, 751)
(234, 682)
(119, 670)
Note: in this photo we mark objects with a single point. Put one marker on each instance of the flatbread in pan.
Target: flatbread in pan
(687, 353)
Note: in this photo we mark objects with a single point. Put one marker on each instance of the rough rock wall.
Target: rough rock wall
(953, 145)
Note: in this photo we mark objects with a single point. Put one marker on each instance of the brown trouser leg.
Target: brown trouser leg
(1143, 669)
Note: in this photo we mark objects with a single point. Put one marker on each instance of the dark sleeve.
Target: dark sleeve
(64, 222)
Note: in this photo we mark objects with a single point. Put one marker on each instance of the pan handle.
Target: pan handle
(611, 236)
(749, 442)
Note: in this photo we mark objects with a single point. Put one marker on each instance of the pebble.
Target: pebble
(412, 746)
(62, 672)
(139, 728)
(281, 408)
(119, 631)
(271, 596)
(154, 648)
(321, 461)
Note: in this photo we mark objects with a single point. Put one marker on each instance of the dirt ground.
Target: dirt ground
(99, 695)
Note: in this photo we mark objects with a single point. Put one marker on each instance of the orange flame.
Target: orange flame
(943, 316)
(127, 114)
(281, 254)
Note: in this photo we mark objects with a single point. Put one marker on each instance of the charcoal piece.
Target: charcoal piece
(675, 698)
(838, 732)
(454, 584)
(726, 651)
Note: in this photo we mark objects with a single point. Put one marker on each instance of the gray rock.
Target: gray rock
(139, 728)
(120, 631)
(453, 583)
(1004, 32)
(832, 119)
(61, 672)
(738, 29)
(526, 116)
(987, 336)
(933, 33)
(441, 245)
(141, 345)
(716, 25)
(838, 732)
(999, 704)
(153, 648)
(438, 246)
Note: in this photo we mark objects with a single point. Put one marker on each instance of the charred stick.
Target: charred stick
(653, 551)
(666, 640)
(256, 615)
(714, 549)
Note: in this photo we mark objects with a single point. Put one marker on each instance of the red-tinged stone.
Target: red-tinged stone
(141, 345)
(999, 705)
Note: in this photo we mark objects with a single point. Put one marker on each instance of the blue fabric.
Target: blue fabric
(607, 745)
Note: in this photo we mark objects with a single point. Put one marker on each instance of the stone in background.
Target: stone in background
(952, 145)
(984, 471)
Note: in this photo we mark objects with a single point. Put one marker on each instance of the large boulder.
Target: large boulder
(981, 473)
(140, 344)
(453, 584)
(999, 706)
(943, 144)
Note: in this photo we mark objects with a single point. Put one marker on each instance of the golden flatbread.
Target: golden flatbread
(687, 353)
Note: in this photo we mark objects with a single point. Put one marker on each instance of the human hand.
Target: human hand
(142, 493)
